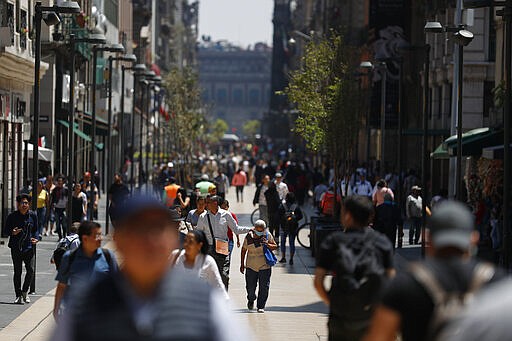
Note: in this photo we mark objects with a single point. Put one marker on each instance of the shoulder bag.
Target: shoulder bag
(220, 246)
(270, 257)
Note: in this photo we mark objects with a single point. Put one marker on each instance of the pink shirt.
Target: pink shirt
(378, 196)
(239, 179)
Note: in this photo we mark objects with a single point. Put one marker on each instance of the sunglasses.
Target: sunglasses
(25, 203)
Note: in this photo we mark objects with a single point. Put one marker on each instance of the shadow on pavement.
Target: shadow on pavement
(318, 307)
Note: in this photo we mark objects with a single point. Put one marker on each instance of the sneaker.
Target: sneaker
(261, 310)
(250, 305)
(25, 297)
(54, 233)
(19, 300)
(291, 261)
(283, 260)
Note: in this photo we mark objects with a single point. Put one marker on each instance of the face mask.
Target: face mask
(258, 233)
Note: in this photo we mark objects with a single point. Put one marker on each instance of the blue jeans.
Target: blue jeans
(415, 230)
(252, 279)
(41, 220)
(291, 237)
(60, 219)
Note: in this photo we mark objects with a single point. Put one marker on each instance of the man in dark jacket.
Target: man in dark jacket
(388, 218)
(21, 226)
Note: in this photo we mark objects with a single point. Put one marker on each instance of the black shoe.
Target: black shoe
(250, 305)
(283, 260)
(291, 261)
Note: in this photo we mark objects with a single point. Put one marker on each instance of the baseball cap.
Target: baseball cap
(451, 225)
(139, 204)
(416, 188)
(279, 175)
(205, 177)
(170, 164)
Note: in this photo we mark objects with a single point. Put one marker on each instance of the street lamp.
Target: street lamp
(148, 77)
(462, 38)
(154, 83)
(114, 48)
(382, 67)
(50, 15)
(506, 13)
(132, 59)
(139, 71)
(91, 39)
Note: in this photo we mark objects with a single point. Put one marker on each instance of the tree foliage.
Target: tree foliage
(327, 94)
(218, 129)
(251, 128)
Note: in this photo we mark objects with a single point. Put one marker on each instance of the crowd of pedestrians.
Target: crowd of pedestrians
(188, 229)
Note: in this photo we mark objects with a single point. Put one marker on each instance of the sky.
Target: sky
(243, 22)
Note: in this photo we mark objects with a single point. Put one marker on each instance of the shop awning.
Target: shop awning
(44, 154)
(494, 152)
(81, 134)
(101, 124)
(473, 142)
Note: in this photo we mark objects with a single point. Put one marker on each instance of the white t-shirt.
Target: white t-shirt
(205, 268)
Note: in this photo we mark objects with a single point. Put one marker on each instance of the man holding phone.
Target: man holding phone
(21, 225)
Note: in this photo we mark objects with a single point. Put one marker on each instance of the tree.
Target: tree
(329, 99)
(251, 128)
(218, 129)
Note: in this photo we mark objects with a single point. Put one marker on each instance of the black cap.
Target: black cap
(451, 225)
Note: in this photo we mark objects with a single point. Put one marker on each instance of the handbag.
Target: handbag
(220, 246)
(270, 257)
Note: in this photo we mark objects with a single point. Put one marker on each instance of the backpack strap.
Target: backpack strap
(482, 274)
(108, 257)
(427, 279)
(72, 256)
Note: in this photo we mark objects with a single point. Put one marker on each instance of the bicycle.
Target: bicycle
(304, 235)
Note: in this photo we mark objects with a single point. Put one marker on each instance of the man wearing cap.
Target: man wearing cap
(407, 305)
(215, 224)
(414, 213)
(204, 184)
(282, 188)
(147, 300)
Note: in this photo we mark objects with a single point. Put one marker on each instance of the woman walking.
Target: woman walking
(43, 202)
(273, 203)
(257, 271)
(79, 204)
(239, 181)
(290, 215)
(194, 259)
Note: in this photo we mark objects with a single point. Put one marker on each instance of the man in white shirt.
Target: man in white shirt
(363, 187)
(215, 224)
(414, 212)
(282, 188)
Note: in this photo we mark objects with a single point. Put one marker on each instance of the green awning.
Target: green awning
(81, 134)
(101, 124)
(473, 142)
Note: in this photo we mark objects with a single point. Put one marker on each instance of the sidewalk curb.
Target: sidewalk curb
(30, 321)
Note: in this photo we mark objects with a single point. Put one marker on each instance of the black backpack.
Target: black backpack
(61, 249)
(359, 277)
(448, 305)
(291, 221)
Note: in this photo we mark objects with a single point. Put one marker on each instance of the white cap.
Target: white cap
(170, 165)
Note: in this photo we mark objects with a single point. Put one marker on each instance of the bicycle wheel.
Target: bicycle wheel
(255, 215)
(304, 235)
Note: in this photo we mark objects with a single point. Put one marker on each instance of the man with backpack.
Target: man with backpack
(82, 266)
(362, 261)
(68, 243)
(420, 302)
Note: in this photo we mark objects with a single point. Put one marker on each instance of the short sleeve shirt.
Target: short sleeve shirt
(255, 257)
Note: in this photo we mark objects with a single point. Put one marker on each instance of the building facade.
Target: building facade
(235, 82)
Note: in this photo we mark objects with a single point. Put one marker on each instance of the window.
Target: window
(238, 97)
(222, 96)
(488, 98)
(254, 97)
(205, 96)
(221, 115)
(439, 96)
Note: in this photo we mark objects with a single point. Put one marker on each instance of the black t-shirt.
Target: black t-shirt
(118, 192)
(329, 258)
(410, 299)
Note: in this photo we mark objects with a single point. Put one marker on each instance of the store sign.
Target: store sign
(44, 118)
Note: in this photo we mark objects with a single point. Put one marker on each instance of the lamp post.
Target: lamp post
(50, 16)
(148, 77)
(133, 59)
(139, 71)
(107, 48)
(155, 82)
(382, 67)
(92, 39)
(462, 38)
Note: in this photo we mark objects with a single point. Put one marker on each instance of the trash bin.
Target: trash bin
(321, 232)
